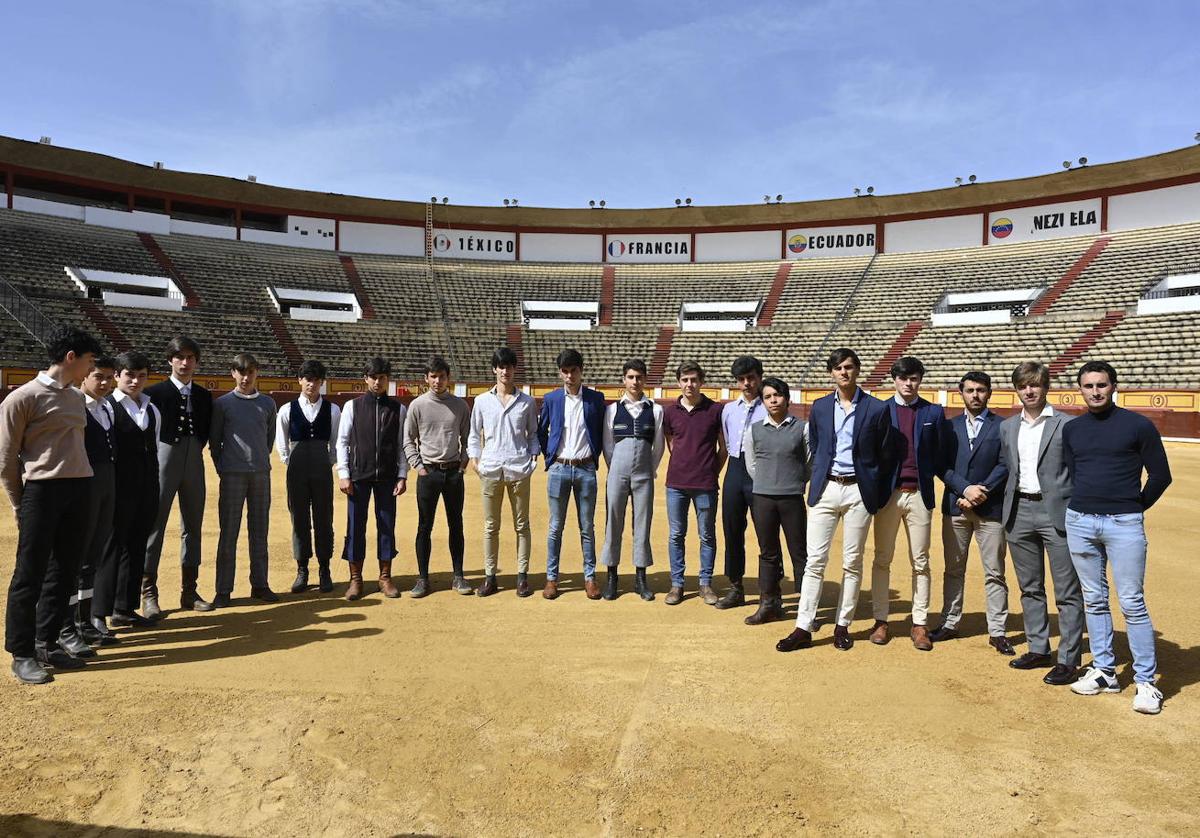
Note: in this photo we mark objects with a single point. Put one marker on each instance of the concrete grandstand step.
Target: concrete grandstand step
(360, 290)
(662, 353)
(107, 328)
(608, 283)
(290, 350)
(514, 340)
(898, 347)
(190, 298)
(767, 315)
(1085, 342)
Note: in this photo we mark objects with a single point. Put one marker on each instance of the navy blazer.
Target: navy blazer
(927, 436)
(552, 419)
(981, 466)
(872, 449)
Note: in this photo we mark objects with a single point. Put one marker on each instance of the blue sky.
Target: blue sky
(556, 103)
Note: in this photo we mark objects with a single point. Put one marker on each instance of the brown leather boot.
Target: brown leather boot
(770, 609)
(150, 609)
(386, 586)
(355, 589)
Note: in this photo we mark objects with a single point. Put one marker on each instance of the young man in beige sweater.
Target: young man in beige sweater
(45, 471)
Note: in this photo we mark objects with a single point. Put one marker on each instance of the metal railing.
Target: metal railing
(842, 316)
(18, 306)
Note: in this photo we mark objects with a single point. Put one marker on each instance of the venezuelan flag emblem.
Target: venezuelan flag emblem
(1002, 227)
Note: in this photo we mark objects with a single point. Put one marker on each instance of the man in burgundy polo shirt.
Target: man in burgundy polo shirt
(692, 427)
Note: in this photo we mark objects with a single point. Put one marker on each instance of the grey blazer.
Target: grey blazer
(1051, 469)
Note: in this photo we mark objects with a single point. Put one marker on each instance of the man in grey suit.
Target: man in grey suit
(1035, 520)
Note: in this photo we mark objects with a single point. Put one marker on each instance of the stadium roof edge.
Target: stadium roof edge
(23, 157)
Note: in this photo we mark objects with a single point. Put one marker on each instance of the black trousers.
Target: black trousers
(50, 539)
(97, 528)
(119, 583)
(736, 493)
(771, 514)
(310, 501)
(448, 486)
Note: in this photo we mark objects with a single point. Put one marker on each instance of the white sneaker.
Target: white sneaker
(1148, 699)
(1094, 682)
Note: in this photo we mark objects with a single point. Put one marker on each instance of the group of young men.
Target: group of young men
(1045, 488)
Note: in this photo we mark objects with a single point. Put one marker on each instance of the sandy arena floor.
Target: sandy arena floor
(462, 716)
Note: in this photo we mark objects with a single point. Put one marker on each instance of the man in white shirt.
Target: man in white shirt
(503, 447)
(304, 439)
(633, 448)
(1035, 522)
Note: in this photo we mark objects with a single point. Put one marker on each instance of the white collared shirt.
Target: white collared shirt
(283, 443)
(503, 439)
(575, 443)
(100, 410)
(1029, 444)
(634, 408)
(185, 390)
(900, 401)
(141, 412)
(46, 379)
(974, 425)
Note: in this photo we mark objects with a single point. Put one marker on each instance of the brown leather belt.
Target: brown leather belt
(585, 461)
(844, 479)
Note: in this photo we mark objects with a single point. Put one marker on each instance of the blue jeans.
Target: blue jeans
(1119, 540)
(705, 502)
(561, 480)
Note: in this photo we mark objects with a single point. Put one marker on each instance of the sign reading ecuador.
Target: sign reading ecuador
(1048, 221)
(815, 242)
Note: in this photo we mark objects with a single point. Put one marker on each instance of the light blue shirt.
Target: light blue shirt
(843, 430)
(736, 418)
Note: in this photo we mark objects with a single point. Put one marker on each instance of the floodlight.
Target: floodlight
(506, 202)
(592, 204)
(767, 198)
(870, 190)
(602, 205)
(778, 198)
(678, 202)
(433, 200)
(445, 200)
(971, 178)
(514, 202)
(857, 191)
(1082, 161)
(687, 201)
(44, 140)
(1066, 164)
(958, 181)
(158, 164)
(252, 178)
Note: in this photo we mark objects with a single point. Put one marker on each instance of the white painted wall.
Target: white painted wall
(1169, 305)
(970, 298)
(21, 202)
(116, 298)
(559, 325)
(388, 239)
(323, 314)
(317, 233)
(712, 325)
(561, 247)
(199, 228)
(971, 318)
(933, 234)
(141, 222)
(655, 248)
(817, 242)
(1046, 221)
(1155, 207)
(737, 247)
(475, 244)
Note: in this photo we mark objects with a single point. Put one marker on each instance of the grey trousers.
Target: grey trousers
(1032, 535)
(180, 472)
(957, 531)
(251, 490)
(630, 477)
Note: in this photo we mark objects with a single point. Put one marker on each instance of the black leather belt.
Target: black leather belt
(844, 479)
(444, 466)
(1029, 495)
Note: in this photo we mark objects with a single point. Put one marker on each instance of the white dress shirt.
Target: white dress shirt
(503, 439)
(1029, 445)
(139, 411)
(100, 410)
(635, 409)
(343, 441)
(974, 425)
(283, 445)
(575, 443)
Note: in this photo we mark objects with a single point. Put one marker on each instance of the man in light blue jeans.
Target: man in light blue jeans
(561, 481)
(1106, 451)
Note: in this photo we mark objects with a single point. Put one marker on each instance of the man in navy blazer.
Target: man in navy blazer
(918, 426)
(571, 434)
(850, 436)
(971, 506)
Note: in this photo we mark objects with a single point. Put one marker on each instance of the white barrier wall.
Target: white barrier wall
(1047, 221)
(933, 234)
(199, 228)
(1155, 207)
(562, 247)
(750, 246)
(74, 211)
(650, 247)
(816, 242)
(140, 222)
(475, 244)
(389, 239)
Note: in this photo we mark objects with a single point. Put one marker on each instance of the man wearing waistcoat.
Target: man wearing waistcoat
(305, 442)
(633, 448)
(45, 473)
(918, 427)
(971, 504)
(137, 428)
(570, 435)
(186, 409)
(371, 464)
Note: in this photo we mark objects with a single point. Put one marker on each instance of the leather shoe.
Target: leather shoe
(920, 639)
(798, 639)
(1061, 675)
(220, 601)
(674, 596)
(880, 634)
(1002, 645)
(591, 587)
(610, 585)
(300, 584)
(29, 671)
(1031, 660)
(57, 658)
(523, 589)
(841, 638)
(708, 595)
(942, 633)
(131, 619)
(488, 587)
(551, 589)
(735, 597)
(264, 595)
(106, 635)
(70, 642)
